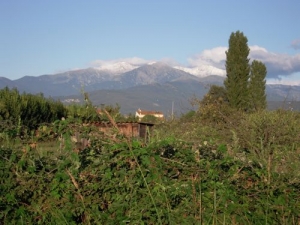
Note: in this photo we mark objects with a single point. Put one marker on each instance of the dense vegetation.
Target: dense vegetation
(216, 165)
(28, 110)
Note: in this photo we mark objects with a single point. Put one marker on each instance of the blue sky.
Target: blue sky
(47, 37)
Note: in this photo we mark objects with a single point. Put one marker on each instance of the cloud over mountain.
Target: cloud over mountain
(208, 62)
(213, 57)
(212, 62)
(278, 65)
(119, 65)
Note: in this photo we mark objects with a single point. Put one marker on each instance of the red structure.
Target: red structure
(135, 129)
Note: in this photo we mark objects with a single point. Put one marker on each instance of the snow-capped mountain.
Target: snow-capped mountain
(119, 76)
(117, 67)
(154, 73)
(106, 77)
(203, 70)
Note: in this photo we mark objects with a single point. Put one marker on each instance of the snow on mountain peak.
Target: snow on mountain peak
(203, 70)
(120, 66)
(117, 67)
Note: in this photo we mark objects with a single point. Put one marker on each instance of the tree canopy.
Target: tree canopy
(238, 71)
(257, 85)
(245, 82)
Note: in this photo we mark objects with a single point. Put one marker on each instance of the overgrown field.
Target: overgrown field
(232, 168)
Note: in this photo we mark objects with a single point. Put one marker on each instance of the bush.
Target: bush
(114, 180)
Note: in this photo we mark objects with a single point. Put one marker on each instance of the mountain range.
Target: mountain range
(152, 86)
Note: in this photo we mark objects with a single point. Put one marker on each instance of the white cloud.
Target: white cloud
(208, 62)
(213, 57)
(133, 61)
(169, 61)
(279, 65)
(296, 44)
(284, 81)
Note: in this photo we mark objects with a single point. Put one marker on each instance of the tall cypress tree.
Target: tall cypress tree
(238, 71)
(257, 85)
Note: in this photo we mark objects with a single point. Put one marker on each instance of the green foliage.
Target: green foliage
(245, 83)
(107, 183)
(215, 95)
(149, 119)
(10, 104)
(27, 111)
(250, 178)
(215, 165)
(256, 169)
(89, 113)
(113, 111)
(257, 86)
(82, 113)
(238, 71)
(264, 133)
(188, 116)
(214, 105)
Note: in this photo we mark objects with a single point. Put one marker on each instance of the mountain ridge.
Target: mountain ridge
(140, 85)
(90, 79)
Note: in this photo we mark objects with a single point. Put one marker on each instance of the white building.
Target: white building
(141, 113)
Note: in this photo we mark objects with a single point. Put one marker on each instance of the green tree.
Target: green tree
(214, 106)
(238, 71)
(216, 95)
(257, 85)
(28, 109)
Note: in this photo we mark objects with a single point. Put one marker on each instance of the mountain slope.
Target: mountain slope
(278, 92)
(71, 82)
(66, 83)
(4, 82)
(152, 97)
(151, 86)
(154, 73)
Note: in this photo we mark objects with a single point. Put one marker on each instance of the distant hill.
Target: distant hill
(160, 97)
(278, 92)
(67, 83)
(4, 82)
(156, 96)
(286, 105)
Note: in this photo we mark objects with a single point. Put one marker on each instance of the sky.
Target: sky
(51, 36)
